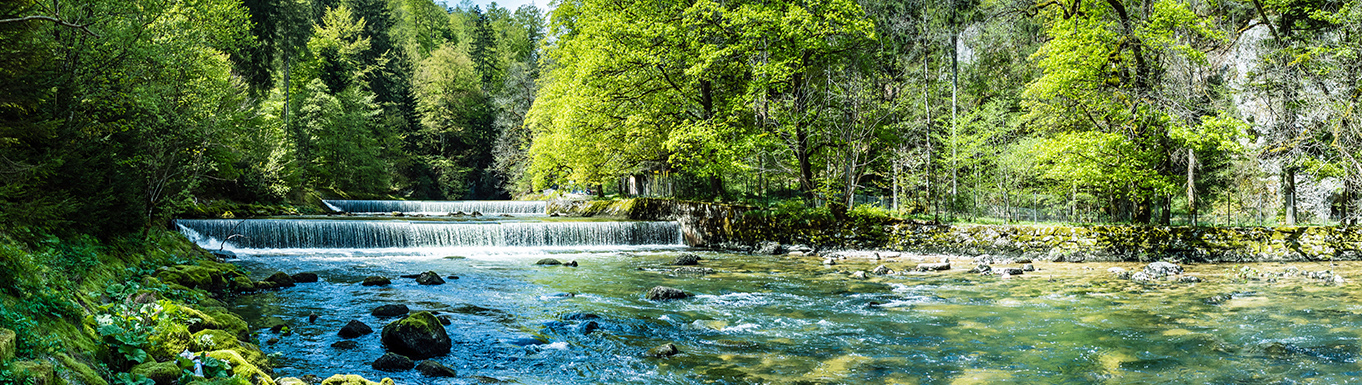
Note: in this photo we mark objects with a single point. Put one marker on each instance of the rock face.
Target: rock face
(686, 260)
(548, 262)
(419, 336)
(663, 293)
(429, 278)
(377, 281)
(390, 310)
(663, 351)
(305, 277)
(354, 329)
(435, 369)
(1158, 270)
(393, 363)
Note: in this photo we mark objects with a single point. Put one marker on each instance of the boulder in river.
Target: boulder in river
(882, 270)
(933, 266)
(982, 269)
(588, 327)
(548, 262)
(663, 351)
(1012, 271)
(419, 336)
(429, 278)
(1028, 267)
(1119, 273)
(435, 369)
(280, 279)
(572, 263)
(376, 281)
(830, 261)
(354, 329)
(663, 293)
(1158, 270)
(390, 310)
(770, 248)
(859, 274)
(686, 259)
(345, 345)
(693, 270)
(392, 362)
(305, 277)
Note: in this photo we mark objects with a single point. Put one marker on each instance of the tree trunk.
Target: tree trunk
(1289, 194)
(1191, 185)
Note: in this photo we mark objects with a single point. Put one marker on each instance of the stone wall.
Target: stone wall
(731, 226)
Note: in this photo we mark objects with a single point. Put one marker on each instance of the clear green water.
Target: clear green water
(784, 320)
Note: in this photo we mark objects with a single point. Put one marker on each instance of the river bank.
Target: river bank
(131, 310)
(747, 229)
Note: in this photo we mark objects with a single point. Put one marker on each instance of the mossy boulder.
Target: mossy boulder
(417, 336)
(164, 373)
(169, 340)
(241, 367)
(211, 276)
(212, 339)
(79, 372)
(224, 320)
(353, 379)
(7, 344)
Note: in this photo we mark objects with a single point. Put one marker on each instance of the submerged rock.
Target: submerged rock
(392, 362)
(933, 266)
(693, 270)
(572, 263)
(345, 345)
(830, 261)
(305, 277)
(435, 369)
(663, 351)
(588, 327)
(1189, 279)
(663, 293)
(580, 316)
(354, 329)
(429, 278)
(418, 336)
(548, 262)
(390, 310)
(686, 260)
(376, 281)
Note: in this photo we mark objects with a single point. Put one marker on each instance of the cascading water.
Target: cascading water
(438, 207)
(288, 233)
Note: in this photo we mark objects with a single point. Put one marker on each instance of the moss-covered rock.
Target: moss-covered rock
(241, 367)
(214, 277)
(169, 339)
(78, 372)
(7, 344)
(224, 320)
(164, 373)
(353, 379)
(418, 336)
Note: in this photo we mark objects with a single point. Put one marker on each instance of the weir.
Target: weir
(354, 234)
(438, 207)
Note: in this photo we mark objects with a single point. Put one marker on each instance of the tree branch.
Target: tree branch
(51, 19)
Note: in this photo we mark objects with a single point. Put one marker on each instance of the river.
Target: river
(772, 319)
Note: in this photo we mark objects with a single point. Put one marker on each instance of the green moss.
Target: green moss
(352, 379)
(241, 367)
(224, 320)
(169, 340)
(79, 372)
(164, 373)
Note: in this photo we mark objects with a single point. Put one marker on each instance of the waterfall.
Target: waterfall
(438, 207)
(288, 233)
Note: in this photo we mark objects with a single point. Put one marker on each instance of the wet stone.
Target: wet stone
(571, 264)
(588, 327)
(435, 369)
(548, 262)
(882, 270)
(376, 281)
(429, 278)
(354, 329)
(859, 274)
(305, 277)
(663, 351)
(1012, 271)
(393, 362)
(933, 266)
(686, 260)
(1028, 267)
(345, 345)
(580, 316)
(693, 270)
(663, 293)
(390, 310)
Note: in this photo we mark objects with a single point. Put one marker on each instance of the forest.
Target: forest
(118, 114)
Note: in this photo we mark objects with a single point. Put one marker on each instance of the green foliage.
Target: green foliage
(132, 379)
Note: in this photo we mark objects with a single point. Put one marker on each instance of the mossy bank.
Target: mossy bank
(132, 310)
(750, 229)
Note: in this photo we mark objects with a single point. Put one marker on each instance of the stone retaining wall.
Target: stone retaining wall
(726, 226)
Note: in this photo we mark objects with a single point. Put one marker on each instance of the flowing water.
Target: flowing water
(780, 319)
(438, 207)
